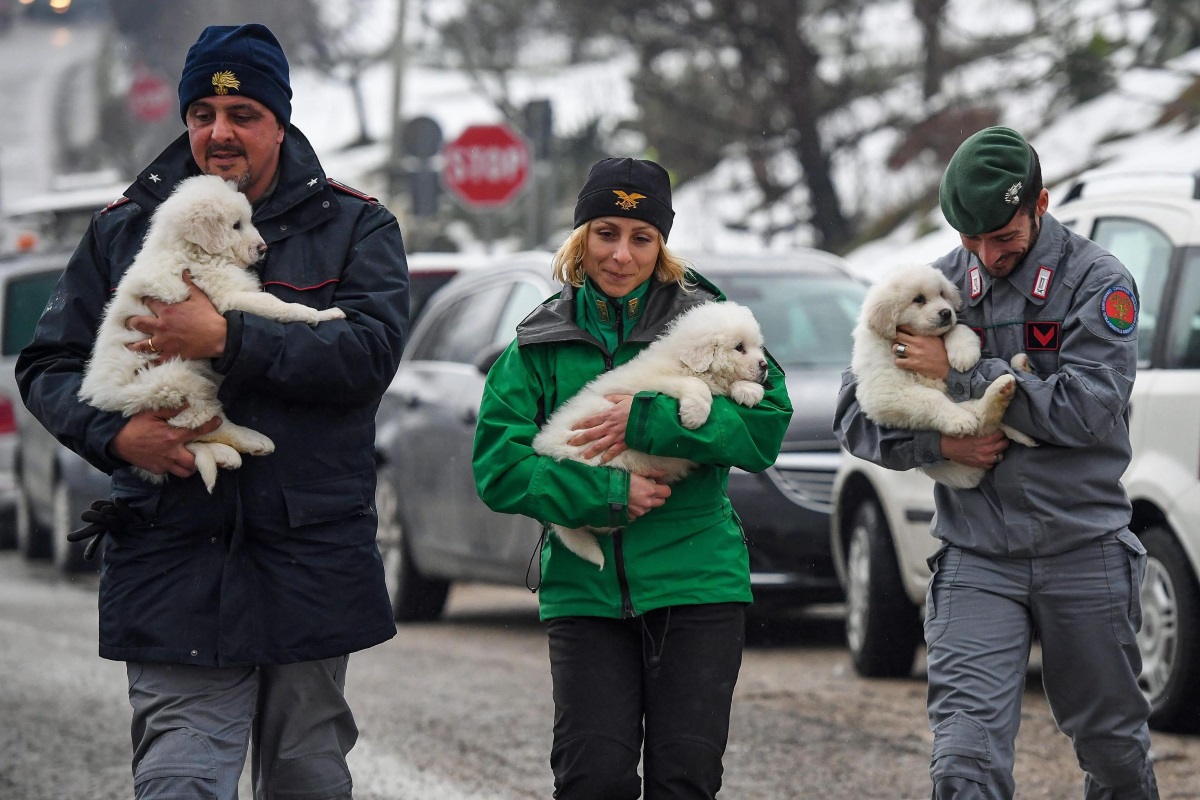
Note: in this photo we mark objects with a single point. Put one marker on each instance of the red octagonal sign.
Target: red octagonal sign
(486, 166)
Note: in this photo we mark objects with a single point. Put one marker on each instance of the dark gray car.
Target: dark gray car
(434, 530)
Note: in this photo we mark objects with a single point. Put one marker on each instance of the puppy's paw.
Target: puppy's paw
(1021, 363)
(1004, 386)
(327, 314)
(747, 393)
(694, 410)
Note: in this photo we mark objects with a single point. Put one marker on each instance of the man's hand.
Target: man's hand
(924, 355)
(646, 492)
(191, 329)
(150, 442)
(605, 431)
(983, 452)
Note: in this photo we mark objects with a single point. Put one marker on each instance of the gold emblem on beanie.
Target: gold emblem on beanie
(1013, 195)
(224, 81)
(627, 201)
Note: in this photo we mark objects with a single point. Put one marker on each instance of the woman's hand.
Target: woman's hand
(646, 492)
(605, 431)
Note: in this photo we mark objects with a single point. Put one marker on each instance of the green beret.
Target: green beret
(986, 181)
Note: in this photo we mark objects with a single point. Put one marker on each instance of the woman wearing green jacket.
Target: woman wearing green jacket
(644, 653)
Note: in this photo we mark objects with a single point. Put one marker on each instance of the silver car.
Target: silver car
(434, 530)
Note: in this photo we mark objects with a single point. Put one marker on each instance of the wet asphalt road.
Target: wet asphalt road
(460, 710)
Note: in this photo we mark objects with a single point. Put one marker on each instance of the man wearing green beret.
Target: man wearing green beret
(1041, 547)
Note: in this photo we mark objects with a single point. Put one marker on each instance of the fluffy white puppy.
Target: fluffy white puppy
(711, 349)
(922, 300)
(204, 228)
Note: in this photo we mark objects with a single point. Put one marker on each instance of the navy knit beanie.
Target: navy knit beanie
(627, 187)
(240, 60)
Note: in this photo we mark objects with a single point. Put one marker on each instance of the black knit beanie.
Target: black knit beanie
(241, 60)
(627, 187)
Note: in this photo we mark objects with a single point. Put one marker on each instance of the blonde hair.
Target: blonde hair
(568, 261)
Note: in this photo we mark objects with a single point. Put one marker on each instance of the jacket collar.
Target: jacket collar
(300, 180)
(554, 320)
(1033, 277)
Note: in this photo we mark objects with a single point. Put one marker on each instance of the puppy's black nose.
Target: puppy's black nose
(945, 316)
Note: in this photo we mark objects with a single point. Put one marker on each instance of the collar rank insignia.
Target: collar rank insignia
(633, 305)
(1013, 195)
(976, 282)
(602, 310)
(1041, 284)
(224, 81)
(627, 201)
(1119, 310)
(1042, 335)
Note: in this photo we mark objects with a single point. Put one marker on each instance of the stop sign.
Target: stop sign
(150, 98)
(486, 166)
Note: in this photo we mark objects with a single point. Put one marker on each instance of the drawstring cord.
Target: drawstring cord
(655, 657)
(536, 556)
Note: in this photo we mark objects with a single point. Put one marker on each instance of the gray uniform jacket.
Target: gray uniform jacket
(1072, 307)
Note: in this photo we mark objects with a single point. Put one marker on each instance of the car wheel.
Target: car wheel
(33, 541)
(415, 598)
(67, 556)
(1170, 635)
(883, 627)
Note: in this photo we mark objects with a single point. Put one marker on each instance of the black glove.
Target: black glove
(104, 517)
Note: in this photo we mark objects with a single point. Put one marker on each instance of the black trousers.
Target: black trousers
(656, 688)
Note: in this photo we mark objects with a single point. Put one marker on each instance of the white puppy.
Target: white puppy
(204, 227)
(712, 349)
(923, 301)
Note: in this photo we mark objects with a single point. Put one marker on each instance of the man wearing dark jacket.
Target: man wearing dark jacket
(236, 611)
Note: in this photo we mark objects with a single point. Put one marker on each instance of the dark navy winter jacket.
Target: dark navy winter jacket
(279, 564)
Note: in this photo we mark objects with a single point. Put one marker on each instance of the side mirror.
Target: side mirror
(488, 356)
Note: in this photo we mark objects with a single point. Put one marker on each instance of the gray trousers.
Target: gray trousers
(981, 616)
(192, 725)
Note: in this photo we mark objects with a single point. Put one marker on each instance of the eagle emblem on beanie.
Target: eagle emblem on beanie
(224, 81)
(627, 201)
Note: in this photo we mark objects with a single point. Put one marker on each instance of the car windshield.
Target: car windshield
(807, 320)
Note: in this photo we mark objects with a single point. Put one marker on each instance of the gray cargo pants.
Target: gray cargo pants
(981, 615)
(191, 727)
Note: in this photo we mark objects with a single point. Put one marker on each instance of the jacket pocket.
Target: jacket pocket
(327, 500)
(1126, 572)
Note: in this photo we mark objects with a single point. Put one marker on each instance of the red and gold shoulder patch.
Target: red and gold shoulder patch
(1119, 310)
(341, 187)
(120, 201)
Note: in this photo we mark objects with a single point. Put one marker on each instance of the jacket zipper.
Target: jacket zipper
(627, 609)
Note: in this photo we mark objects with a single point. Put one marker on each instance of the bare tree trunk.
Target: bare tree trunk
(930, 15)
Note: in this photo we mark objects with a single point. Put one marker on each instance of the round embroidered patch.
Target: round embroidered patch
(1119, 309)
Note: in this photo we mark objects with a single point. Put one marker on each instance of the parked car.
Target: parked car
(434, 530)
(54, 484)
(881, 519)
(26, 281)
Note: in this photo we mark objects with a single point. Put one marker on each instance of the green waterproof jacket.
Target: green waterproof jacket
(689, 550)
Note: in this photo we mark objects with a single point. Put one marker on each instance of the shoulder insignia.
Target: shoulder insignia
(1041, 284)
(1119, 310)
(120, 201)
(341, 187)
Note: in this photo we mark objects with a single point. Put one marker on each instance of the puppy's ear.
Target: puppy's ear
(951, 293)
(698, 356)
(879, 314)
(207, 225)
